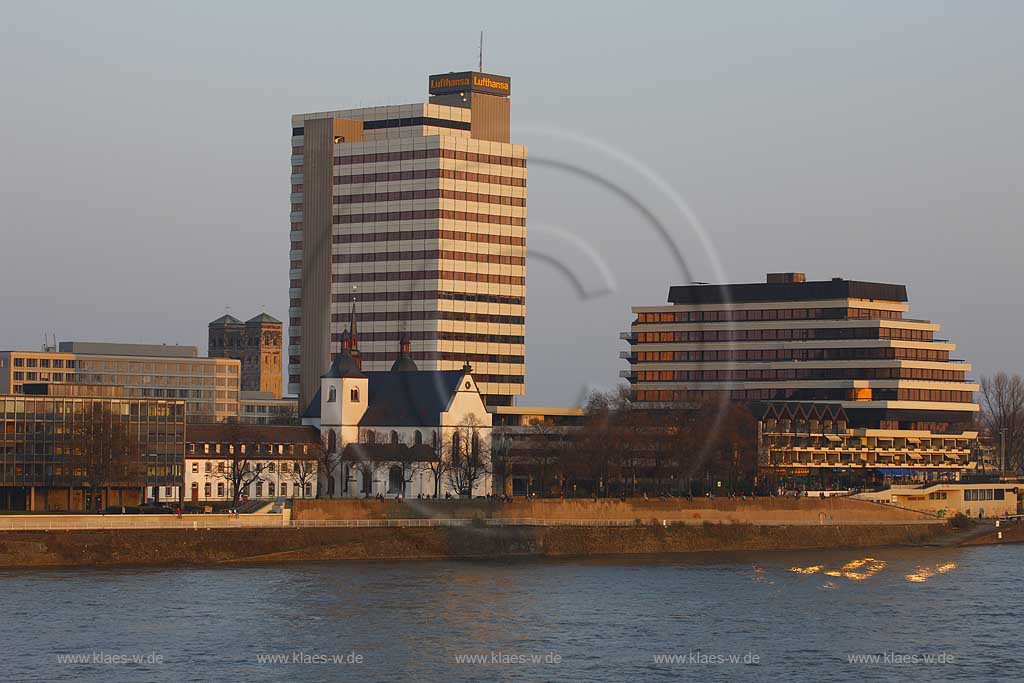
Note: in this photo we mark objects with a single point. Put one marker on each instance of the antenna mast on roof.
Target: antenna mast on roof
(481, 54)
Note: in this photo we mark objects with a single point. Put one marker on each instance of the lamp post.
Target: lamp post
(1002, 450)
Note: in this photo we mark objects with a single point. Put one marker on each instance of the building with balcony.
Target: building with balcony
(835, 352)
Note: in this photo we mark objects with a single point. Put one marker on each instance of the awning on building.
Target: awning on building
(913, 439)
(833, 438)
(915, 456)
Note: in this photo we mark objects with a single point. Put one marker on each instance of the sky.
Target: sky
(144, 175)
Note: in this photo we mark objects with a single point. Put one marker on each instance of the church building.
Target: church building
(402, 432)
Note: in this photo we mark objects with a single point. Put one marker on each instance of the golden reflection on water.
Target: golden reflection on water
(813, 569)
(864, 568)
(924, 573)
(855, 570)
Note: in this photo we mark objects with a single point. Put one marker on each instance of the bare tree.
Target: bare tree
(105, 452)
(304, 473)
(1002, 416)
(439, 464)
(238, 468)
(469, 457)
(328, 462)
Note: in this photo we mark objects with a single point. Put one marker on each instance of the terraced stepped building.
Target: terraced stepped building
(417, 214)
(841, 379)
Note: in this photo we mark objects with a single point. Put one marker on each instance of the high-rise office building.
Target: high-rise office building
(256, 343)
(417, 214)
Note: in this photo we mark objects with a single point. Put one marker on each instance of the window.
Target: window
(209, 467)
(394, 437)
(220, 489)
(270, 489)
(370, 436)
(284, 488)
(309, 490)
(354, 395)
(332, 395)
(418, 438)
(208, 489)
(195, 468)
(259, 489)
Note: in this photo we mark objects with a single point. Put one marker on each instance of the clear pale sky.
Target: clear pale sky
(144, 174)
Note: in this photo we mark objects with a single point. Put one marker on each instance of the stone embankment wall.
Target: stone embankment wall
(715, 510)
(215, 546)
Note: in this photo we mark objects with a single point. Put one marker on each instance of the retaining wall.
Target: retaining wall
(213, 546)
(831, 510)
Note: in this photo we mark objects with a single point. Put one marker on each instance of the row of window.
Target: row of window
(428, 214)
(984, 494)
(135, 367)
(272, 490)
(738, 375)
(424, 295)
(258, 448)
(428, 254)
(411, 154)
(384, 316)
(782, 334)
(436, 355)
(767, 314)
(429, 194)
(394, 236)
(391, 276)
(448, 174)
(869, 353)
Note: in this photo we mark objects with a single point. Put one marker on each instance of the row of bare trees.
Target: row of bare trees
(623, 450)
(462, 459)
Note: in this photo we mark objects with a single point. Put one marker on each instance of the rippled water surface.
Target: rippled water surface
(766, 616)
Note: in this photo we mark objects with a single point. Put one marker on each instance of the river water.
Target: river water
(884, 614)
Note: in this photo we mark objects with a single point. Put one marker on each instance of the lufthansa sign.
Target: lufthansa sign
(445, 84)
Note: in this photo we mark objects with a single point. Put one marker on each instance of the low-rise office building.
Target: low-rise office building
(524, 439)
(277, 461)
(208, 386)
(837, 351)
(45, 458)
(261, 408)
(994, 499)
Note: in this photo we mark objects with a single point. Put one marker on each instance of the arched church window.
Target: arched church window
(394, 437)
(418, 438)
(332, 395)
(353, 395)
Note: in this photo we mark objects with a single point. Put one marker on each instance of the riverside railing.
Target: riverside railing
(197, 522)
